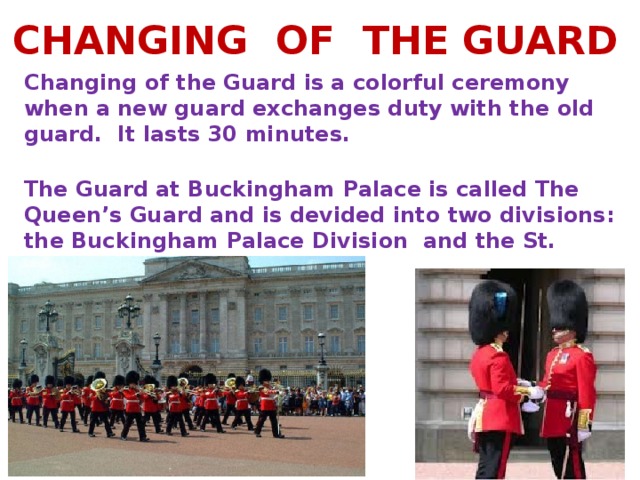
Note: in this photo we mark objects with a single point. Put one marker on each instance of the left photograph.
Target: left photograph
(269, 351)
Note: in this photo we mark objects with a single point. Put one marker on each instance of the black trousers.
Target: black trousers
(558, 449)
(63, 420)
(131, 417)
(30, 410)
(212, 416)
(17, 409)
(494, 448)
(230, 410)
(54, 416)
(247, 418)
(157, 420)
(100, 417)
(272, 415)
(174, 419)
(115, 415)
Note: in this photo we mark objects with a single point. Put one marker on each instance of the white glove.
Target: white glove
(583, 435)
(536, 393)
(523, 383)
(530, 407)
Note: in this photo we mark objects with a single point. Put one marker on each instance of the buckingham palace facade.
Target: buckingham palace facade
(213, 313)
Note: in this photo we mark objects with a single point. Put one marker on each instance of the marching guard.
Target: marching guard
(211, 404)
(151, 405)
(68, 404)
(569, 380)
(86, 400)
(496, 418)
(175, 406)
(133, 398)
(34, 399)
(268, 405)
(16, 397)
(50, 402)
(116, 402)
(99, 407)
(243, 409)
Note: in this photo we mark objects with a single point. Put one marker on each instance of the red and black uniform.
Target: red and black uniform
(85, 398)
(211, 409)
(268, 409)
(68, 408)
(497, 415)
(50, 406)
(99, 413)
(198, 403)
(152, 409)
(34, 401)
(569, 382)
(16, 398)
(230, 405)
(185, 402)
(243, 409)
(133, 409)
(116, 406)
(175, 404)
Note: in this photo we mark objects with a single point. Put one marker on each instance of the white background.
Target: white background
(597, 153)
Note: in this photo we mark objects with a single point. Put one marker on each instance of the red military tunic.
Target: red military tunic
(242, 400)
(569, 381)
(174, 399)
(132, 396)
(49, 399)
(67, 401)
(117, 400)
(16, 397)
(211, 399)
(268, 400)
(97, 405)
(499, 409)
(33, 400)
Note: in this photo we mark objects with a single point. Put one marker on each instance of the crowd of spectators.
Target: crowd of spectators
(336, 401)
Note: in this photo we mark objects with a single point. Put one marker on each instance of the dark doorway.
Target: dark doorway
(530, 339)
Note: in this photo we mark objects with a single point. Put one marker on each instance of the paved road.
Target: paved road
(314, 446)
(521, 470)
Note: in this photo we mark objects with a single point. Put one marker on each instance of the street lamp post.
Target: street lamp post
(128, 310)
(156, 366)
(322, 365)
(23, 363)
(48, 313)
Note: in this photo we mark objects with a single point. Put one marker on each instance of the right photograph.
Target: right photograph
(520, 373)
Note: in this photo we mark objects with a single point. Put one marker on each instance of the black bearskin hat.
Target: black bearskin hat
(149, 379)
(118, 381)
(231, 375)
(99, 374)
(17, 383)
(172, 381)
(49, 380)
(89, 381)
(132, 377)
(34, 379)
(240, 382)
(264, 376)
(492, 309)
(210, 379)
(568, 308)
(69, 380)
(60, 382)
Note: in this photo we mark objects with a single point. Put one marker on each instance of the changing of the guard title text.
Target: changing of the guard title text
(281, 109)
(426, 212)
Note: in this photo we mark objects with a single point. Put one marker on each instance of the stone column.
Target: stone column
(224, 320)
(147, 333)
(164, 322)
(183, 323)
(203, 323)
(240, 340)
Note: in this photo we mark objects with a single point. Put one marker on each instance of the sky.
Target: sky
(26, 271)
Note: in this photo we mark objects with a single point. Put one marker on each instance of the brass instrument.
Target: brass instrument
(37, 391)
(150, 389)
(57, 392)
(99, 386)
(183, 386)
(230, 383)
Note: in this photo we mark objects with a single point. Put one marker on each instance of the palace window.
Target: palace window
(195, 345)
(78, 349)
(97, 350)
(175, 345)
(215, 315)
(257, 315)
(360, 311)
(257, 345)
(283, 343)
(334, 344)
(215, 345)
(360, 343)
(78, 323)
(283, 313)
(24, 326)
(118, 322)
(334, 311)
(195, 317)
(175, 316)
(309, 344)
(97, 322)
(307, 313)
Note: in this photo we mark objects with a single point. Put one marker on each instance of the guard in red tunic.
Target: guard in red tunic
(99, 408)
(86, 400)
(175, 406)
(133, 398)
(229, 398)
(268, 404)
(211, 404)
(569, 380)
(496, 418)
(151, 405)
(116, 402)
(34, 399)
(16, 396)
(68, 404)
(50, 402)
(243, 409)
